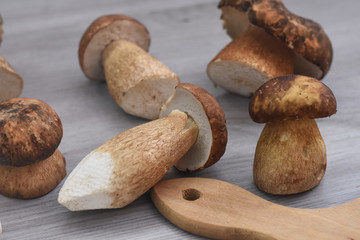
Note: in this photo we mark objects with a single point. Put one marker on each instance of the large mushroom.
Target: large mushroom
(11, 83)
(268, 41)
(290, 155)
(30, 164)
(114, 48)
(125, 167)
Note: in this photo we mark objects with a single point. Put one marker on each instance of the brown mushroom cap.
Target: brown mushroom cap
(291, 97)
(11, 83)
(100, 33)
(210, 119)
(306, 37)
(30, 131)
(33, 180)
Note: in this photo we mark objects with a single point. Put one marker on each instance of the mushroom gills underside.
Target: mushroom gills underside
(198, 154)
(306, 68)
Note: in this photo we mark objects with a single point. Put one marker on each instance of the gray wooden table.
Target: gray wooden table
(41, 40)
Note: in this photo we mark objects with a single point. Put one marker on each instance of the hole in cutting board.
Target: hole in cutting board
(191, 194)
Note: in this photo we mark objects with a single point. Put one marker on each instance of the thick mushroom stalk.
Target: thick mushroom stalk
(125, 167)
(290, 155)
(309, 50)
(249, 61)
(139, 83)
(114, 47)
(122, 169)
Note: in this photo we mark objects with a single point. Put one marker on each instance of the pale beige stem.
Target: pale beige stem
(125, 167)
(290, 157)
(139, 83)
(249, 61)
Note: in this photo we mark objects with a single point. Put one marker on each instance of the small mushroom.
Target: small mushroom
(30, 164)
(11, 83)
(125, 167)
(268, 41)
(114, 48)
(290, 155)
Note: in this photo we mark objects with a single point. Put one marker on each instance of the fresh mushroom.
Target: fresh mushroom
(268, 41)
(114, 47)
(209, 118)
(30, 164)
(290, 155)
(125, 167)
(11, 83)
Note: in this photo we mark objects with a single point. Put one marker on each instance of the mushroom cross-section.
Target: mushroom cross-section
(125, 167)
(290, 154)
(11, 83)
(30, 164)
(268, 41)
(114, 48)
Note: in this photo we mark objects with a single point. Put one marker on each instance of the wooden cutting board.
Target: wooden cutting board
(220, 210)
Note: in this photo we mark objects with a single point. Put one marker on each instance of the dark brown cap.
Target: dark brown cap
(206, 112)
(103, 31)
(291, 97)
(306, 37)
(30, 131)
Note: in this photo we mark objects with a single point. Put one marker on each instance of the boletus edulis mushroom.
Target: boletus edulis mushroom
(11, 83)
(268, 41)
(30, 164)
(290, 154)
(114, 48)
(125, 167)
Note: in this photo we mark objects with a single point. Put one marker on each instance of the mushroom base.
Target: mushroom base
(33, 180)
(290, 157)
(249, 61)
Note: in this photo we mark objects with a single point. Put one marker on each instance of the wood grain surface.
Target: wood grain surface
(40, 41)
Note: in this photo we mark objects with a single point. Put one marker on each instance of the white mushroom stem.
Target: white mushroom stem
(249, 61)
(125, 167)
(290, 157)
(139, 83)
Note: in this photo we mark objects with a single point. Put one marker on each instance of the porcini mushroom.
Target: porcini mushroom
(11, 83)
(125, 167)
(114, 48)
(268, 41)
(210, 119)
(30, 164)
(290, 155)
